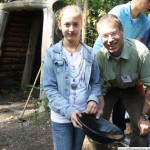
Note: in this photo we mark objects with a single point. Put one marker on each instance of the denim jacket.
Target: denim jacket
(56, 79)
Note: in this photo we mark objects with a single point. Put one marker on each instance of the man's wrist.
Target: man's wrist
(145, 116)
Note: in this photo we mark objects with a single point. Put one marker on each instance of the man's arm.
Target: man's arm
(144, 123)
(146, 107)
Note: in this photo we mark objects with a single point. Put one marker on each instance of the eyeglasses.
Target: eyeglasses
(113, 34)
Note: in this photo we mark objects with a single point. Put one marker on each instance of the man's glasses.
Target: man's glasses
(113, 34)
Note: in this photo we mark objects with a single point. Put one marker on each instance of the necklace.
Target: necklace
(74, 49)
(74, 85)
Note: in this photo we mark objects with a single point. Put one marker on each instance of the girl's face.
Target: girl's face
(70, 25)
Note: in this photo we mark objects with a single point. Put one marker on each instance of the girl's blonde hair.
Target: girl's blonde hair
(73, 8)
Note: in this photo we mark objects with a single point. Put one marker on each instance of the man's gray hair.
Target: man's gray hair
(109, 18)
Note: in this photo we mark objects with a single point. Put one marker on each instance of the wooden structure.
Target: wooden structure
(26, 31)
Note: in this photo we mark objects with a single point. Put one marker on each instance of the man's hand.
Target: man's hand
(92, 107)
(144, 126)
(101, 107)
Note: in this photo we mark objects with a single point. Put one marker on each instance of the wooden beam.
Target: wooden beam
(9, 74)
(13, 54)
(27, 4)
(47, 39)
(15, 49)
(3, 21)
(11, 67)
(30, 56)
(11, 61)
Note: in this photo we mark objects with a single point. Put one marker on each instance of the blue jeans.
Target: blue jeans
(66, 136)
(149, 139)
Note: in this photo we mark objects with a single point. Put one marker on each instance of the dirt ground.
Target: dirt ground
(32, 134)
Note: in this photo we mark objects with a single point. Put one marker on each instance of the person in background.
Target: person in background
(134, 22)
(123, 62)
(146, 37)
(146, 41)
(71, 81)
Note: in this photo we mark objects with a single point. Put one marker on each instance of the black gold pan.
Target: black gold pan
(100, 130)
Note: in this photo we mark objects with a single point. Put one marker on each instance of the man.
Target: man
(134, 22)
(123, 62)
(146, 37)
(146, 40)
(133, 19)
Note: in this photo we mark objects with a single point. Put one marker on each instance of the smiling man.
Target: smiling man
(122, 63)
(134, 21)
(133, 18)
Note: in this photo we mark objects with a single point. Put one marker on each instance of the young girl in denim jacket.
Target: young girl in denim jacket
(71, 81)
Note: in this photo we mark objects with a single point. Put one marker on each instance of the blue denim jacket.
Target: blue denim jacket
(56, 79)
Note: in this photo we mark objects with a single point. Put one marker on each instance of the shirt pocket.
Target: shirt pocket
(59, 66)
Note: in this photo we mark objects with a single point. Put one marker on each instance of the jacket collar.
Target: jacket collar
(86, 50)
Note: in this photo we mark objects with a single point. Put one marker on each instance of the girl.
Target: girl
(71, 81)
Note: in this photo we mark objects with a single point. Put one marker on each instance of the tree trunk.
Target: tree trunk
(84, 27)
(79, 3)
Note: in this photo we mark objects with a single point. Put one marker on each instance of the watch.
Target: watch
(146, 117)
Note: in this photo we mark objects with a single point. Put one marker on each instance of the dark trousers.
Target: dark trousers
(133, 102)
(118, 115)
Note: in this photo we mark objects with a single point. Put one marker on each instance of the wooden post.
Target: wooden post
(3, 21)
(30, 56)
(47, 38)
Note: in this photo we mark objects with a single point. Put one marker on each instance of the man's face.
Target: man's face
(112, 37)
(143, 5)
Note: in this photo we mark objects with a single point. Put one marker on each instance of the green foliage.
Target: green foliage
(97, 8)
(37, 115)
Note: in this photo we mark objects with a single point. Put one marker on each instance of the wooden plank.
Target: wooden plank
(12, 60)
(18, 24)
(20, 19)
(15, 55)
(15, 44)
(18, 29)
(27, 5)
(9, 74)
(14, 49)
(17, 34)
(11, 67)
(16, 39)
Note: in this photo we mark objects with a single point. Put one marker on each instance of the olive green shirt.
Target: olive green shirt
(125, 71)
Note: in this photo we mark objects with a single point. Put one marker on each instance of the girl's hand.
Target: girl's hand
(74, 119)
